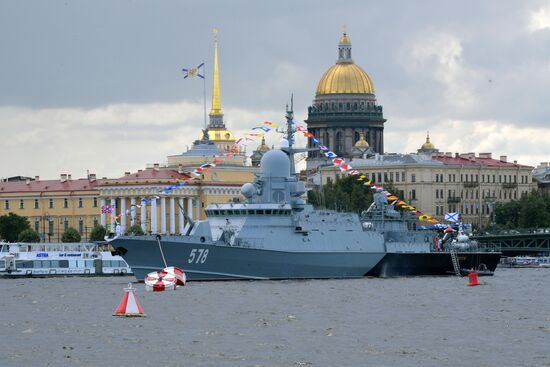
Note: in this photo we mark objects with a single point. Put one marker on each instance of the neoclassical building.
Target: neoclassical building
(437, 183)
(52, 206)
(345, 107)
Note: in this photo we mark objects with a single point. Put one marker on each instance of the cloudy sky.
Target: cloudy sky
(97, 85)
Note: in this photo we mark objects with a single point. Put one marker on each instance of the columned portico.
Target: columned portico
(133, 209)
(181, 215)
(123, 214)
(198, 204)
(143, 213)
(102, 216)
(113, 213)
(154, 216)
(172, 216)
(190, 207)
(163, 215)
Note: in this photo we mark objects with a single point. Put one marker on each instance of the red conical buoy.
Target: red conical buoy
(129, 305)
(472, 278)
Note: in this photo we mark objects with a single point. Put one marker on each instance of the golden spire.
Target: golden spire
(216, 104)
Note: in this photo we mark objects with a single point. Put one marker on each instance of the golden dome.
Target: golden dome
(262, 146)
(428, 144)
(217, 134)
(361, 143)
(345, 78)
(345, 38)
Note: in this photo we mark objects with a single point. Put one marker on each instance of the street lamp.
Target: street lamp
(45, 216)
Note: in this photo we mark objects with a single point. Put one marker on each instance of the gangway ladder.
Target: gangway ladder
(456, 263)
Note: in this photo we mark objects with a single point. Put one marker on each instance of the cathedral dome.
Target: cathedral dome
(361, 143)
(427, 144)
(263, 146)
(345, 77)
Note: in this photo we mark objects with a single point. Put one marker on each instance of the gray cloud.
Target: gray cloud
(107, 74)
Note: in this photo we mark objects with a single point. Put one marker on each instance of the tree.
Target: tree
(98, 233)
(11, 225)
(507, 214)
(530, 211)
(70, 235)
(134, 230)
(533, 211)
(346, 194)
(28, 235)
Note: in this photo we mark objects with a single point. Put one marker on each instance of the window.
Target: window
(379, 177)
(80, 204)
(21, 204)
(437, 195)
(413, 194)
(65, 224)
(413, 177)
(65, 203)
(338, 144)
(80, 226)
(95, 202)
(50, 227)
(50, 204)
(36, 226)
(403, 176)
(36, 203)
(6, 204)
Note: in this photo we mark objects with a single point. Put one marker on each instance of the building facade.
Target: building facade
(541, 174)
(463, 183)
(345, 107)
(52, 206)
(137, 198)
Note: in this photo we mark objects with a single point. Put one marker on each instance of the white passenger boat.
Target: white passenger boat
(53, 259)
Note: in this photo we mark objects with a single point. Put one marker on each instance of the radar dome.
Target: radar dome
(248, 190)
(275, 163)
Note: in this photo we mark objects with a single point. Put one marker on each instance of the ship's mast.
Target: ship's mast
(290, 130)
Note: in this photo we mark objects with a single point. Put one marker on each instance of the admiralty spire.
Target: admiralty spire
(217, 131)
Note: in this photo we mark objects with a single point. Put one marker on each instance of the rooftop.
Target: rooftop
(80, 184)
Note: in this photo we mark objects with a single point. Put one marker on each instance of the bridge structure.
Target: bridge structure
(519, 242)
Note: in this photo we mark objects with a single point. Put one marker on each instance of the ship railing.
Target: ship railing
(472, 246)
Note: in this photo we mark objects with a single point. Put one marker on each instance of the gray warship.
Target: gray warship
(273, 234)
(411, 251)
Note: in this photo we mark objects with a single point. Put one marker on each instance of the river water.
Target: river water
(417, 321)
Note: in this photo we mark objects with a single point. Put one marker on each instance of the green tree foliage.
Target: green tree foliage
(11, 225)
(345, 195)
(28, 235)
(98, 233)
(134, 230)
(531, 211)
(70, 235)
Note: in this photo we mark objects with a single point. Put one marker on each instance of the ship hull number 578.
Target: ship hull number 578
(197, 256)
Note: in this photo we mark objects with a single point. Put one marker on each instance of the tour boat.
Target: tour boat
(54, 259)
